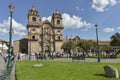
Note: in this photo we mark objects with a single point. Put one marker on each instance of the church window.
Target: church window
(58, 31)
(58, 21)
(33, 19)
(58, 37)
(33, 13)
(33, 29)
(33, 37)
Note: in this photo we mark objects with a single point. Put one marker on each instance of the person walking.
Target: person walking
(19, 57)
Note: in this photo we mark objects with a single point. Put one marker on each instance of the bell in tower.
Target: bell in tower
(33, 16)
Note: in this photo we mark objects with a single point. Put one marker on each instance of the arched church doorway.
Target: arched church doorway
(47, 48)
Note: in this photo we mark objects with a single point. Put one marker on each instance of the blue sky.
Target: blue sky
(79, 17)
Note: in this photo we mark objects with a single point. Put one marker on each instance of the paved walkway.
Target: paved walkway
(103, 60)
(70, 59)
(2, 64)
(87, 60)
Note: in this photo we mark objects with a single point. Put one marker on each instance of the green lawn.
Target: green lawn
(62, 71)
(118, 56)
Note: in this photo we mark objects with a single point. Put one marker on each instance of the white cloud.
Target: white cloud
(118, 27)
(19, 33)
(18, 28)
(84, 29)
(79, 9)
(102, 5)
(3, 31)
(113, 2)
(108, 29)
(72, 22)
(48, 18)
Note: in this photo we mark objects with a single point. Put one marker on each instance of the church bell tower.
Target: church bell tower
(33, 16)
(33, 30)
(58, 30)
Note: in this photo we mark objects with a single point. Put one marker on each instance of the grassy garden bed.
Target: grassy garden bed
(62, 71)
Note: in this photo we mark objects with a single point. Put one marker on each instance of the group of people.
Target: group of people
(37, 55)
(47, 55)
(5, 57)
(42, 55)
(20, 56)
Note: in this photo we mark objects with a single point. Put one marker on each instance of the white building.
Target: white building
(3, 46)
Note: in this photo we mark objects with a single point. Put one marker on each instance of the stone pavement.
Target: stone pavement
(87, 60)
(2, 64)
(70, 60)
(103, 60)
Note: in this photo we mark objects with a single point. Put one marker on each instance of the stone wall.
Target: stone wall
(16, 45)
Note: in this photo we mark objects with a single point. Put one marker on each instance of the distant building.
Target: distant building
(3, 46)
(21, 46)
(77, 39)
(42, 35)
(104, 42)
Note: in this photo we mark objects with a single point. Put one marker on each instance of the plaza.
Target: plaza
(34, 61)
(42, 41)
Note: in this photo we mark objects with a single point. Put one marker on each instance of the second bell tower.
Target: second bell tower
(33, 16)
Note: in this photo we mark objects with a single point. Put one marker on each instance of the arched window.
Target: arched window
(33, 29)
(58, 37)
(58, 32)
(33, 37)
(33, 19)
(33, 13)
(58, 21)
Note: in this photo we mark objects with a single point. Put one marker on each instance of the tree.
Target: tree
(105, 48)
(67, 46)
(115, 39)
(86, 45)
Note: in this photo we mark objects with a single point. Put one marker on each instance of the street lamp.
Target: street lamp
(96, 26)
(9, 64)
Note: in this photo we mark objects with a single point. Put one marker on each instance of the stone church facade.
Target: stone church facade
(42, 36)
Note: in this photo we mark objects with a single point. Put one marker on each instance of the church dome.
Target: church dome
(33, 9)
(46, 20)
(56, 14)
